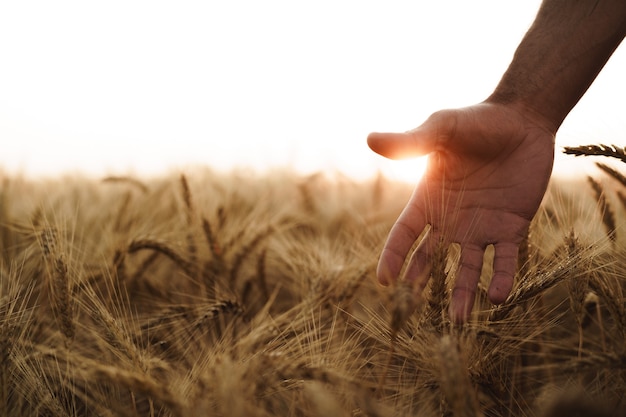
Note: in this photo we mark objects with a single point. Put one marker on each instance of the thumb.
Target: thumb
(417, 142)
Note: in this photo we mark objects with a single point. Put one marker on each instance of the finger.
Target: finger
(504, 267)
(401, 145)
(403, 234)
(464, 291)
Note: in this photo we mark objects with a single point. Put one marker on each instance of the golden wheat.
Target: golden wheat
(101, 313)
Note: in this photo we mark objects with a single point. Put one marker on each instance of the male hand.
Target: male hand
(488, 170)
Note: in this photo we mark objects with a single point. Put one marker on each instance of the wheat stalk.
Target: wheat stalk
(190, 216)
(524, 258)
(128, 180)
(261, 274)
(136, 383)
(217, 264)
(578, 284)
(612, 172)
(119, 265)
(610, 289)
(245, 251)
(438, 300)
(608, 218)
(141, 269)
(15, 318)
(155, 245)
(211, 239)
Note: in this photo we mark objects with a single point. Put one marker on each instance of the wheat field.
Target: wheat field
(206, 294)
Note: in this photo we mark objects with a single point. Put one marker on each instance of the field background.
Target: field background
(230, 295)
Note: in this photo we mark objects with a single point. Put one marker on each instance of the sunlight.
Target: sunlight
(407, 170)
(142, 99)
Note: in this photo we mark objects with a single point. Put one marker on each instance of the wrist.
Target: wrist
(527, 111)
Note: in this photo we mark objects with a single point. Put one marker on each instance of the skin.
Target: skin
(490, 163)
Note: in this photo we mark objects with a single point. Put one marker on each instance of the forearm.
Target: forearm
(561, 55)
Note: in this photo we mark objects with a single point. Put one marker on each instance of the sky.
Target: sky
(144, 87)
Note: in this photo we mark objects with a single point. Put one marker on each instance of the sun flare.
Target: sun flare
(406, 170)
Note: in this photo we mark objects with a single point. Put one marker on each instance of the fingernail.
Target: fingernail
(384, 273)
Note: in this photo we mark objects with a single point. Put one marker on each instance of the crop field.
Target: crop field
(209, 294)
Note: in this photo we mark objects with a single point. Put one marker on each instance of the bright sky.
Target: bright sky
(145, 86)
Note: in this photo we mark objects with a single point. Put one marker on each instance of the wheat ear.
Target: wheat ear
(531, 288)
(136, 383)
(597, 150)
(63, 298)
(438, 300)
(404, 302)
(454, 380)
(59, 285)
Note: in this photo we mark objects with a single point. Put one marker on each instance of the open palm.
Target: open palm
(488, 170)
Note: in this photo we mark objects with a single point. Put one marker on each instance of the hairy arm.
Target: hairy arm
(560, 56)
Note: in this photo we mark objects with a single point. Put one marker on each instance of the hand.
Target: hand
(488, 170)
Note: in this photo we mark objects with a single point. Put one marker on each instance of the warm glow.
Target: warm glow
(143, 87)
(407, 170)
